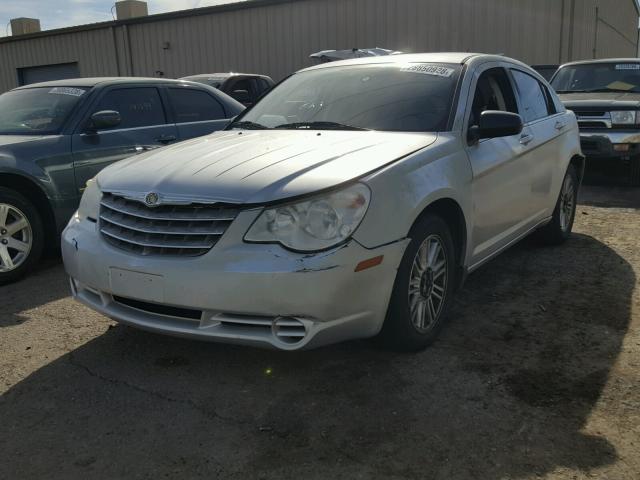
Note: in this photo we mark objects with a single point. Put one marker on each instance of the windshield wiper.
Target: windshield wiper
(597, 90)
(605, 90)
(318, 126)
(248, 125)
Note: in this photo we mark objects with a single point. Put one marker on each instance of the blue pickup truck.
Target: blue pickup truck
(55, 136)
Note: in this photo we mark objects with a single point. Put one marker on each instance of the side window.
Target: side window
(243, 84)
(192, 105)
(493, 92)
(263, 85)
(138, 107)
(535, 101)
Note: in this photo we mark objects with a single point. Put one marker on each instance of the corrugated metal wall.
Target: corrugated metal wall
(276, 38)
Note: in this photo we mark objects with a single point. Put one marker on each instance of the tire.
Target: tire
(634, 171)
(21, 236)
(558, 230)
(401, 330)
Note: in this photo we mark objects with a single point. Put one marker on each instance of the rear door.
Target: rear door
(547, 125)
(196, 112)
(144, 126)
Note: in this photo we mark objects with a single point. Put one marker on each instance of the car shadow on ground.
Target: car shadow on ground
(609, 196)
(45, 284)
(504, 393)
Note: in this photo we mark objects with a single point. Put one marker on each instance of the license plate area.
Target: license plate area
(132, 284)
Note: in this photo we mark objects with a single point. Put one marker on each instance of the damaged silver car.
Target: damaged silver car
(350, 202)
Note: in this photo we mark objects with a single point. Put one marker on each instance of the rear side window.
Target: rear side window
(138, 107)
(534, 98)
(262, 85)
(192, 105)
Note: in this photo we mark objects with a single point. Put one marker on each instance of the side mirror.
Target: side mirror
(104, 119)
(494, 123)
(242, 96)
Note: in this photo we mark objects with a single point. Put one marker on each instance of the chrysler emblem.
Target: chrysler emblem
(152, 199)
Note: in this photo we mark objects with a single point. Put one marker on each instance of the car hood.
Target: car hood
(608, 101)
(257, 166)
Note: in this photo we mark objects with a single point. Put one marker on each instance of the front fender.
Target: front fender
(402, 191)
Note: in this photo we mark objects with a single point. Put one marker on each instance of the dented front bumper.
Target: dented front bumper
(257, 294)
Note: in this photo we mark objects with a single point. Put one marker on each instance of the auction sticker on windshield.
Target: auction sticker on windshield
(426, 69)
(628, 66)
(76, 92)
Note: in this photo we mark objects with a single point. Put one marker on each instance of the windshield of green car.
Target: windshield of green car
(598, 77)
(413, 97)
(37, 111)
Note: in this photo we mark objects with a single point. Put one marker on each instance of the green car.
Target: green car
(55, 136)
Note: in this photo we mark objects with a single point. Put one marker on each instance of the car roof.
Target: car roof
(603, 60)
(224, 76)
(439, 57)
(94, 81)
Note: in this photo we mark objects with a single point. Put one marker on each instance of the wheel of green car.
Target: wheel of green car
(423, 288)
(558, 230)
(21, 235)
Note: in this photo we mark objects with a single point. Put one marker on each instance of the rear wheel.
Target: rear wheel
(558, 230)
(423, 288)
(21, 235)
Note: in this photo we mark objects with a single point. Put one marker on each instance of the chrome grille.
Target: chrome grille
(594, 119)
(185, 230)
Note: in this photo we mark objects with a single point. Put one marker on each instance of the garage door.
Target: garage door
(45, 73)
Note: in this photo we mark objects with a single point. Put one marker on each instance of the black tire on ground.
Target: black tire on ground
(558, 231)
(399, 332)
(634, 171)
(16, 200)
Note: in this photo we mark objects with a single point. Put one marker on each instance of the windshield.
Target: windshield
(598, 77)
(413, 97)
(37, 111)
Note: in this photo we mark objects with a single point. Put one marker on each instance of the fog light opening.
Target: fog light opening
(288, 329)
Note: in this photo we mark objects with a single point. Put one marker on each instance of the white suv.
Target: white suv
(350, 202)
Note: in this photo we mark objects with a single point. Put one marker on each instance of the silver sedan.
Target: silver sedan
(350, 202)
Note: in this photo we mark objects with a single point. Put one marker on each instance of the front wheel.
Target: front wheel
(21, 236)
(423, 288)
(558, 230)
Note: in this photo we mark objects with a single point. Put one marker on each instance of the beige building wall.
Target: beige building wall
(275, 37)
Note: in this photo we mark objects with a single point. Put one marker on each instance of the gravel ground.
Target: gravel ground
(536, 376)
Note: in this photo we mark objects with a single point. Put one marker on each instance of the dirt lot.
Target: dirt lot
(537, 376)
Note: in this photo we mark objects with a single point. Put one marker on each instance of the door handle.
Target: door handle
(166, 139)
(526, 139)
(560, 125)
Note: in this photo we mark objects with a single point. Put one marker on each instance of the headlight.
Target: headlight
(90, 202)
(314, 224)
(625, 117)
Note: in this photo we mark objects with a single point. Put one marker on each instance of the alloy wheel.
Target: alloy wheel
(428, 284)
(567, 203)
(16, 238)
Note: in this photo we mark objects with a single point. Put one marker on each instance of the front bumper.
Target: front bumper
(599, 143)
(254, 294)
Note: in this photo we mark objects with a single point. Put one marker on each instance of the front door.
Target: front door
(501, 170)
(143, 127)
